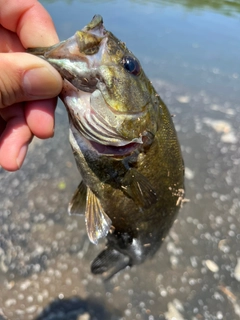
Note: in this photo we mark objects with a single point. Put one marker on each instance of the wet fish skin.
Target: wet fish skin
(124, 144)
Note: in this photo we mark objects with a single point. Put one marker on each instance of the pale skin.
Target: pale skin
(28, 85)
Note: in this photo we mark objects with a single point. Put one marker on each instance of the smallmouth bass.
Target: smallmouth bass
(124, 143)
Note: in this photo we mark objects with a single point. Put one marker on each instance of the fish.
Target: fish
(125, 146)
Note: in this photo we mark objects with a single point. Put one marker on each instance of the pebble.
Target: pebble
(211, 265)
(85, 316)
(219, 126)
(229, 138)
(237, 270)
(183, 99)
(173, 313)
(189, 174)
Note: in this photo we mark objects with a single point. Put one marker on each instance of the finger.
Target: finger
(14, 140)
(24, 77)
(9, 41)
(30, 21)
(39, 116)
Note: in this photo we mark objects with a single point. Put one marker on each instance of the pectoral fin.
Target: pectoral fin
(97, 221)
(78, 202)
(137, 187)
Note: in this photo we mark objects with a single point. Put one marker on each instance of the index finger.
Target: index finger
(30, 21)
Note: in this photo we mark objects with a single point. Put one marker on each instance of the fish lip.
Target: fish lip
(115, 151)
(107, 150)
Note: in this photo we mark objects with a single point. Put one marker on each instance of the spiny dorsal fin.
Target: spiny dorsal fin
(78, 202)
(97, 221)
(137, 187)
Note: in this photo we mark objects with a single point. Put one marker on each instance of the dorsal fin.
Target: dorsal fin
(77, 204)
(97, 221)
(137, 187)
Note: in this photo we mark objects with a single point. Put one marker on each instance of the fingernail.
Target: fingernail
(21, 155)
(41, 83)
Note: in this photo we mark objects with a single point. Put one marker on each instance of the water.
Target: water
(190, 50)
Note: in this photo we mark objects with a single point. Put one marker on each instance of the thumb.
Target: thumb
(24, 77)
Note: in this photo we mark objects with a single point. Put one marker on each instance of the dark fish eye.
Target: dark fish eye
(131, 65)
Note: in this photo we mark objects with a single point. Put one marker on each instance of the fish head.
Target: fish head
(109, 99)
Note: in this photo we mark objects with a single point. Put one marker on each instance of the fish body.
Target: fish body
(124, 143)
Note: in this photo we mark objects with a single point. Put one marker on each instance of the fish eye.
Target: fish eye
(131, 65)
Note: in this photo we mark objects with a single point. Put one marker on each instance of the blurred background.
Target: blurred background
(190, 50)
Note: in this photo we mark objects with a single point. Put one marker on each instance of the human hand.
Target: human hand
(28, 84)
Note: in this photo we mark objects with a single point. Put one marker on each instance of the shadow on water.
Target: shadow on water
(75, 307)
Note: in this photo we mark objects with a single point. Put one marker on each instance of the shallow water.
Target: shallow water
(190, 50)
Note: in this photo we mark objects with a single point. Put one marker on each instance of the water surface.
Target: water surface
(190, 50)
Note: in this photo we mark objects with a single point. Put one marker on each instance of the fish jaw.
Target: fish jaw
(113, 147)
(73, 65)
(97, 132)
(77, 57)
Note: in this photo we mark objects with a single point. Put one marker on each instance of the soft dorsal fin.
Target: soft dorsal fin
(97, 221)
(77, 204)
(137, 187)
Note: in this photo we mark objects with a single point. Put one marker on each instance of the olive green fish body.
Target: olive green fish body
(160, 166)
(124, 143)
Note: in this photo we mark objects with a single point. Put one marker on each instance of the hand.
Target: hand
(28, 84)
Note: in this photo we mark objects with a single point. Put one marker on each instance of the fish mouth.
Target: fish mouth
(99, 133)
(114, 151)
(100, 137)
(79, 140)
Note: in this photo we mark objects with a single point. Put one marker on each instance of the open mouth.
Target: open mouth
(95, 129)
(114, 151)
